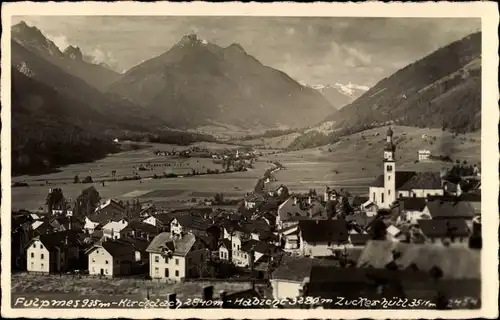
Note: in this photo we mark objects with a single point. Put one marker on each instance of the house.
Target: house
(112, 258)
(174, 259)
(193, 222)
(357, 202)
(21, 234)
(141, 230)
(287, 278)
(225, 249)
(394, 233)
(423, 155)
(53, 252)
(113, 229)
(413, 209)
(439, 209)
(451, 188)
(294, 209)
(110, 208)
(319, 237)
(395, 184)
(161, 220)
(370, 208)
(262, 251)
(252, 201)
(445, 232)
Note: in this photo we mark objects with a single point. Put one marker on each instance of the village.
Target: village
(415, 235)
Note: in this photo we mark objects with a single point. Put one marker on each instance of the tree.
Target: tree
(378, 230)
(259, 187)
(88, 179)
(55, 198)
(87, 201)
(76, 179)
(219, 198)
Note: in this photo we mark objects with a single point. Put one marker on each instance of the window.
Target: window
(41, 256)
(156, 270)
(329, 243)
(34, 245)
(93, 270)
(389, 168)
(97, 251)
(42, 265)
(238, 247)
(382, 198)
(176, 262)
(166, 273)
(41, 246)
(400, 195)
(32, 255)
(157, 259)
(106, 261)
(389, 178)
(93, 260)
(389, 192)
(106, 271)
(374, 198)
(176, 273)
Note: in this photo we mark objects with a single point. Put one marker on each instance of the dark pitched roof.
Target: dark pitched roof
(444, 228)
(141, 227)
(450, 209)
(358, 201)
(422, 180)
(118, 248)
(297, 268)
(58, 239)
(359, 239)
(412, 204)
(193, 221)
(259, 246)
(324, 230)
(455, 262)
(226, 243)
(401, 178)
(361, 219)
(165, 217)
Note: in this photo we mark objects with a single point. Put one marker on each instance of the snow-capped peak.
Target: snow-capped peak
(350, 88)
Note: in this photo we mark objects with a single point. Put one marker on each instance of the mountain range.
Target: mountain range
(441, 90)
(197, 83)
(66, 109)
(71, 60)
(339, 95)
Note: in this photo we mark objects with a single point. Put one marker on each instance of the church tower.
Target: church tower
(389, 195)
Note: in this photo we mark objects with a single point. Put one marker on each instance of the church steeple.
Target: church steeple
(389, 147)
(389, 172)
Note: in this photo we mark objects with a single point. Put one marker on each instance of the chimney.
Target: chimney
(208, 293)
(172, 299)
(222, 295)
(309, 200)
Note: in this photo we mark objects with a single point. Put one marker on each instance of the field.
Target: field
(281, 142)
(355, 161)
(352, 163)
(147, 189)
(53, 286)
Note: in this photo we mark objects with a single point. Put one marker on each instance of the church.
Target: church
(393, 184)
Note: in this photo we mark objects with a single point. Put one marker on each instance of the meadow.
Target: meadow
(356, 160)
(351, 163)
(147, 189)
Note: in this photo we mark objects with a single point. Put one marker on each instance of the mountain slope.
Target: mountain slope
(113, 110)
(50, 129)
(197, 83)
(441, 90)
(71, 60)
(339, 95)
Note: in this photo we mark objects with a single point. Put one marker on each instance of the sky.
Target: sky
(314, 50)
